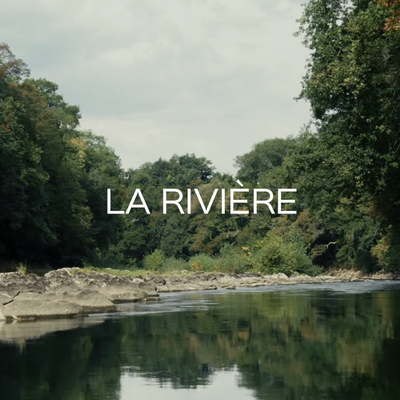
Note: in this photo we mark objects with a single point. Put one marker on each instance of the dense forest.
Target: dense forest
(344, 164)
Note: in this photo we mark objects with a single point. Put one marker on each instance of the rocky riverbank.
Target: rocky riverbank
(71, 292)
(68, 293)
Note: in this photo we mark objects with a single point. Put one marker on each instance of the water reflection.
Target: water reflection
(314, 343)
(224, 385)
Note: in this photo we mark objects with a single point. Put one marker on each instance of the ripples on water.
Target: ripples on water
(336, 341)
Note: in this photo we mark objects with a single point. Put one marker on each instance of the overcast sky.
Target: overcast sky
(159, 77)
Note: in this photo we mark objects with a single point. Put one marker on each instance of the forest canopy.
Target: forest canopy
(344, 164)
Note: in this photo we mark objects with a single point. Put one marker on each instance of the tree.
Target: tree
(10, 66)
(144, 233)
(53, 178)
(353, 83)
(264, 156)
(348, 170)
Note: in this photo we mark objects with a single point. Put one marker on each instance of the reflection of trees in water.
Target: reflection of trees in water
(284, 345)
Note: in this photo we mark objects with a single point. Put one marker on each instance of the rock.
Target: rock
(226, 281)
(283, 276)
(252, 274)
(125, 296)
(34, 296)
(5, 298)
(11, 283)
(89, 300)
(328, 279)
(38, 309)
(101, 282)
(157, 280)
(300, 279)
(149, 287)
(72, 291)
(165, 289)
(129, 292)
(150, 299)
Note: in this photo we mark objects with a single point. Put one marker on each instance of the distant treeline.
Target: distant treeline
(344, 165)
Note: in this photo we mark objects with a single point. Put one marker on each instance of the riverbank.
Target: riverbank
(72, 292)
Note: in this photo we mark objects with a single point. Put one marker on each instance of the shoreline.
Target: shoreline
(72, 292)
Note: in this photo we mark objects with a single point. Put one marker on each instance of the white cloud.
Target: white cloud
(156, 78)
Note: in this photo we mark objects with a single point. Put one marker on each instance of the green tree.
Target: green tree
(264, 156)
(352, 82)
(347, 170)
(53, 178)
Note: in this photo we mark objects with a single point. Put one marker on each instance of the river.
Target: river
(328, 341)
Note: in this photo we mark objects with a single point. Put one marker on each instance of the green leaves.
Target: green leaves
(53, 178)
(349, 166)
(263, 157)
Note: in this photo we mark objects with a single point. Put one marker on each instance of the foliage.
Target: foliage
(202, 262)
(233, 260)
(279, 255)
(344, 165)
(154, 261)
(351, 82)
(110, 258)
(263, 157)
(22, 269)
(53, 177)
(175, 265)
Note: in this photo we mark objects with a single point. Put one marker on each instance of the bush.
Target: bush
(175, 264)
(154, 261)
(22, 269)
(232, 259)
(277, 255)
(113, 259)
(270, 257)
(202, 262)
(387, 252)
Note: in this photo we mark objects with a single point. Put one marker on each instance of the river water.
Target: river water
(337, 341)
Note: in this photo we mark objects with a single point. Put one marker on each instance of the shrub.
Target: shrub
(175, 264)
(22, 269)
(109, 259)
(278, 255)
(231, 259)
(387, 253)
(112, 259)
(202, 262)
(154, 261)
(270, 256)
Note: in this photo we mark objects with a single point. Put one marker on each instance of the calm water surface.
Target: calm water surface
(338, 341)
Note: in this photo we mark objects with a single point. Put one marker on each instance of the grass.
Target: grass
(137, 272)
(22, 269)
